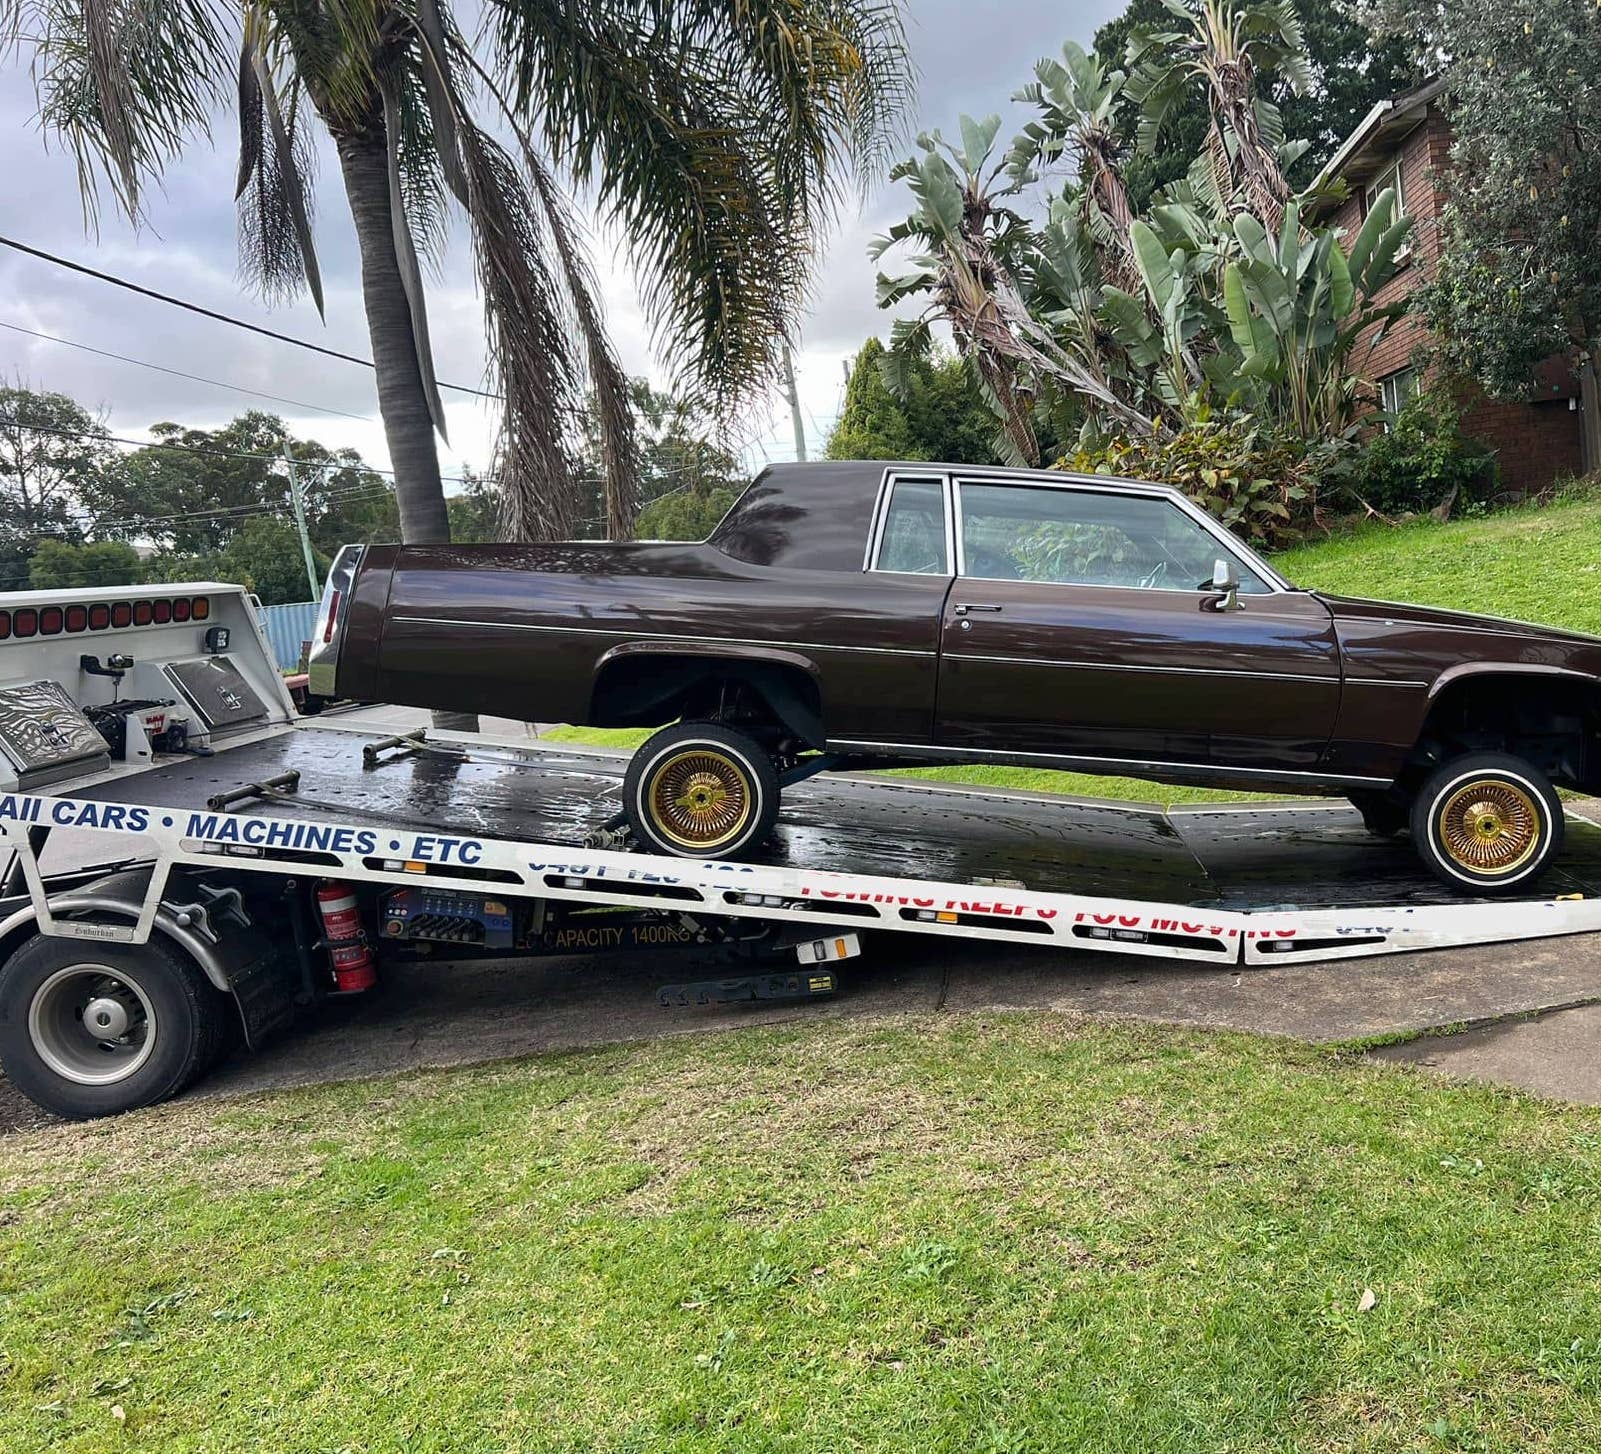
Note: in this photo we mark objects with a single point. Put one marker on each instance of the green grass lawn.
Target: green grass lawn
(996, 1233)
(1536, 563)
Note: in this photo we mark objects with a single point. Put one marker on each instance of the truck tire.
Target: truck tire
(1487, 822)
(701, 790)
(93, 1029)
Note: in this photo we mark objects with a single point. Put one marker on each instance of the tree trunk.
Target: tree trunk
(402, 402)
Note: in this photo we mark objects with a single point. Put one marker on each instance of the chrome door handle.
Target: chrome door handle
(965, 607)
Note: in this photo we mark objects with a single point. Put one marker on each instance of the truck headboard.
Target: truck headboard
(95, 674)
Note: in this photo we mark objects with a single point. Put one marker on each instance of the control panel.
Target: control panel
(452, 916)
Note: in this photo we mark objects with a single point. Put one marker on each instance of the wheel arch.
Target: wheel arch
(1549, 714)
(22, 924)
(642, 683)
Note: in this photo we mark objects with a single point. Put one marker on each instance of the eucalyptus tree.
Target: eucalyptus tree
(715, 135)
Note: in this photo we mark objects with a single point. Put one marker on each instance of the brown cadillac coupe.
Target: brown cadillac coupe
(862, 613)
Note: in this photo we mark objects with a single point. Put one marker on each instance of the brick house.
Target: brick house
(1405, 142)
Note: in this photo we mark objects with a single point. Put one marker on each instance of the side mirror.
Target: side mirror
(1225, 594)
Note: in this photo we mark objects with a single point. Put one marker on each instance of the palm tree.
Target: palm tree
(714, 134)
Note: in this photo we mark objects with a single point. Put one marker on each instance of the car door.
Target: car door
(1083, 623)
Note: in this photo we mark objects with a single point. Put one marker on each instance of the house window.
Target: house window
(1397, 391)
(1389, 177)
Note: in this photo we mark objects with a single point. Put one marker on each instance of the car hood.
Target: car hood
(1356, 608)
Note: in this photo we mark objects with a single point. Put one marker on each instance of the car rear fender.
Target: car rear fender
(789, 681)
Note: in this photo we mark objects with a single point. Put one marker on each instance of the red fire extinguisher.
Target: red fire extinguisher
(354, 966)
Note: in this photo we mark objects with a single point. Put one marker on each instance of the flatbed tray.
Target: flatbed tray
(1246, 857)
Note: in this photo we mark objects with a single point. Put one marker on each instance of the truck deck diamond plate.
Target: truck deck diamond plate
(1245, 858)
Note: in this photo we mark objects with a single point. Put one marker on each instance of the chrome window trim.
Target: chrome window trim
(875, 532)
(653, 637)
(1087, 484)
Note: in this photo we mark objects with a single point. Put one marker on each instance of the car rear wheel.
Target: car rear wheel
(92, 1029)
(700, 790)
(1487, 822)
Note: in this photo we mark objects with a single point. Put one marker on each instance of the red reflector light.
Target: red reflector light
(141, 613)
(25, 622)
(162, 612)
(99, 617)
(5, 624)
(121, 614)
(50, 621)
(333, 615)
(77, 618)
(201, 606)
(180, 609)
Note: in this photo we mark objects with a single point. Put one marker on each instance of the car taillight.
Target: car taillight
(121, 614)
(161, 612)
(77, 618)
(5, 624)
(333, 615)
(201, 607)
(180, 609)
(25, 622)
(99, 617)
(141, 613)
(50, 621)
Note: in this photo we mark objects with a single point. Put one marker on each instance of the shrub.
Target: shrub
(1423, 460)
(1264, 488)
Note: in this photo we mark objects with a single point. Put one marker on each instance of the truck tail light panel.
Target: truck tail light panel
(75, 617)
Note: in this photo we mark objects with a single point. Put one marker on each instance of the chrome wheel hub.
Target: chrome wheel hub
(90, 1025)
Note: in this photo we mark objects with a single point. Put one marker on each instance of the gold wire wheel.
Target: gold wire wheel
(1490, 826)
(700, 798)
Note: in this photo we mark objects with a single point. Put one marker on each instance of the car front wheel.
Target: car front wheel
(700, 790)
(1487, 822)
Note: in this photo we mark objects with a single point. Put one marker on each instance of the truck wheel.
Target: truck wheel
(1488, 822)
(90, 1029)
(699, 790)
(1383, 814)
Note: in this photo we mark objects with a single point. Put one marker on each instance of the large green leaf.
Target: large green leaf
(1380, 212)
(1253, 238)
(1252, 334)
(977, 139)
(1342, 291)
(1156, 271)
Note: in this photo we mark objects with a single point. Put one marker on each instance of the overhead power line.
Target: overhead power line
(180, 374)
(200, 449)
(132, 287)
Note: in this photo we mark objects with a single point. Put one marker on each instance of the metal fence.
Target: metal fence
(288, 628)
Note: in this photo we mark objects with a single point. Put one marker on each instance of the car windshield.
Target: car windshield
(1091, 538)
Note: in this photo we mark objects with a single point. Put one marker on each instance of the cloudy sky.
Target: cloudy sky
(970, 58)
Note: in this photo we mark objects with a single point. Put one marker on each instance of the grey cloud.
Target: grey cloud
(970, 57)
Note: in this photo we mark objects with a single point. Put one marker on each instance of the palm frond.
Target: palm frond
(717, 135)
(123, 83)
(273, 187)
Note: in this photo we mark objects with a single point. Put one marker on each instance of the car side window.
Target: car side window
(1089, 538)
(913, 536)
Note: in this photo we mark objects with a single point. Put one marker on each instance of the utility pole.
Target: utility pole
(300, 521)
(794, 406)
